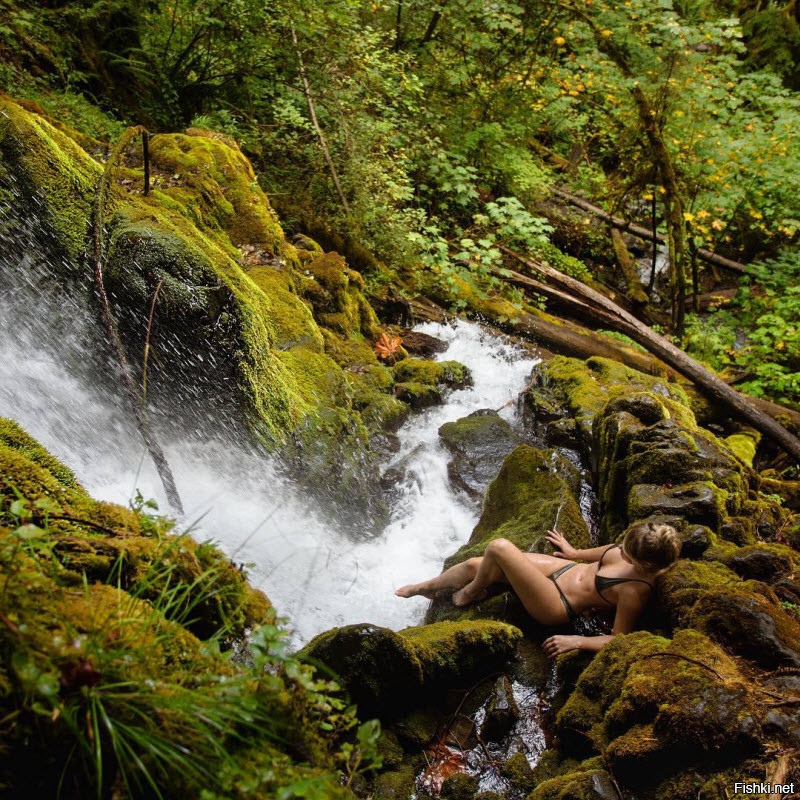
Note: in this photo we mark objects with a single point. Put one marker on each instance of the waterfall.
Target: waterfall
(313, 572)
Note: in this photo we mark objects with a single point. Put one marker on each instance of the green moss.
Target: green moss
(743, 445)
(13, 436)
(395, 785)
(224, 192)
(386, 672)
(432, 373)
(463, 649)
(459, 787)
(522, 504)
(39, 161)
(292, 321)
(336, 292)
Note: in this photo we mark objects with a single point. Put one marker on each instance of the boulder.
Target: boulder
(423, 383)
(653, 707)
(502, 711)
(478, 445)
(387, 672)
(743, 616)
(699, 502)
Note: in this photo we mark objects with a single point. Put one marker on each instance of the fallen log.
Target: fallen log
(587, 300)
(645, 233)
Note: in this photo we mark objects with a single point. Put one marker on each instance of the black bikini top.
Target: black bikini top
(601, 583)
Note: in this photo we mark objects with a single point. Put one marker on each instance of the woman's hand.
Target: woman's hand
(563, 549)
(556, 645)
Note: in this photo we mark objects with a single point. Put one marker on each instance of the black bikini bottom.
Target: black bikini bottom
(571, 614)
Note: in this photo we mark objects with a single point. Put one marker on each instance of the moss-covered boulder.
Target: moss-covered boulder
(387, 672)
(653, 707)
(533, 490)
(422, 383)
(478, 445)
(744, 616)
(569, 387)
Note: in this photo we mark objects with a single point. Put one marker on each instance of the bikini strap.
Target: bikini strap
(600, 562)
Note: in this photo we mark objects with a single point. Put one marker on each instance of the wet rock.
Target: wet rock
(419, 728)
(739, 530)
(738, 614)
(459, 787)
(368, 660)
(478, 444)
(654, 707)
(517, 771)
(700, 502)
(386, 672)
(422, 344)
(695, 540)
(502, 711)
(395, 785)
(766, 563)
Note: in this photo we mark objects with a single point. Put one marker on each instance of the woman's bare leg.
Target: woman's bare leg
(453, 578)
(538, 593)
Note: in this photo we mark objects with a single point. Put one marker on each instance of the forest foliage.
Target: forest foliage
(446, 124)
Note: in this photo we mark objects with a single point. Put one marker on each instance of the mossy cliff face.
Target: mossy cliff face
(110, 635)
(246, 328)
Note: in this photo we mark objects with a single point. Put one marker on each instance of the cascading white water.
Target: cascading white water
(312, 572)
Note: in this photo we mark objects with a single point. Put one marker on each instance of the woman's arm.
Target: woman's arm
(563, 549)
(631, 604)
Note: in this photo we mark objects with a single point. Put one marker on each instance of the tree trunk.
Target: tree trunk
(611, 315)
(317, 129)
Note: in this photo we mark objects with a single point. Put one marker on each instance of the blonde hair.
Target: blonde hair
(652, 544)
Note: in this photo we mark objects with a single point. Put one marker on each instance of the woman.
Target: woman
(554, 593)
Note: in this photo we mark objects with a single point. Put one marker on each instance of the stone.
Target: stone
(422, 344)
(478, 445)
(700, 502)
(502, 711)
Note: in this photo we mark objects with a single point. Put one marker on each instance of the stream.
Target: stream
(315, 574)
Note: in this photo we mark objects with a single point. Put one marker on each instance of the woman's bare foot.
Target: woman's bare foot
(415, 590)
(465, 596)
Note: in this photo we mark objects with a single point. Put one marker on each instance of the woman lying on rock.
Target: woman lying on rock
(554, 593)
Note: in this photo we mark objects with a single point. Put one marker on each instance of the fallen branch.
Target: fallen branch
(645, 233)
(140, 414)
(684, 658)
(586, 298)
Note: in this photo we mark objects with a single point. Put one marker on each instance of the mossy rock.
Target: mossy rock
(395, 784)
(450, 374)
(589, 784)
(336, 293)
(532, 489)
(386, 672)
(582, 389)
(700, 502)
(98, 541)
(478, 445)
(741, 615)
(46, 171)
(654, 706)
(459, 787)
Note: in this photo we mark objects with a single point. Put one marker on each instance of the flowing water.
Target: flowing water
(312, 572)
